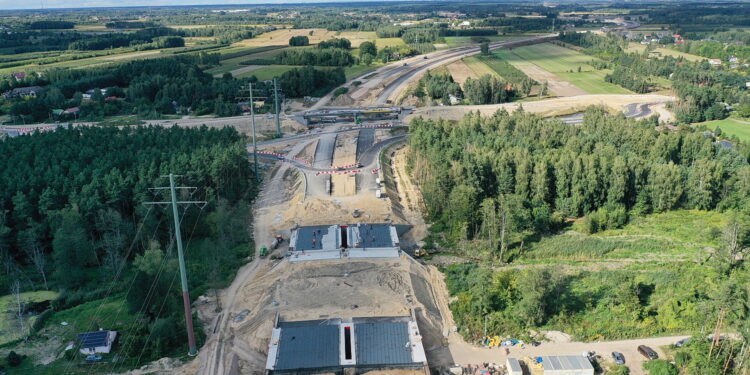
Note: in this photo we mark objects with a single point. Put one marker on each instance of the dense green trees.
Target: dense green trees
(487, 89)
(628, 79)
(299, 40)
(49, 24)
(342, 43)
(556, 170)
(158, 37)
(315, 56)
(70, 201)
(309, 81)
(439, 86)
(367, 48)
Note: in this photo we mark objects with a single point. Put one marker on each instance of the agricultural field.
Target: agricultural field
(479, 67)
(731, 126)
(545, 62)
(460, 41)
(233, 57)
(267, 72)
(639, 48)
(281, 37)
(100, 58)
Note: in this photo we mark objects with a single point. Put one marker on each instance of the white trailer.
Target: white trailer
(513, 366)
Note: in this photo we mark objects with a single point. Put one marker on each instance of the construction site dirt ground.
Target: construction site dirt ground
(548, 107)
(331, 289)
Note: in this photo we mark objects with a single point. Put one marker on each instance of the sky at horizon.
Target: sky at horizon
(50, 4)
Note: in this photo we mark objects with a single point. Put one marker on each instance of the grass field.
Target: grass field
(459, 41)
(281, 37)
(479, 67)
(735, 127)
(239, 55)
(564, 63)
(672, 236)
(9, 329)
(639, 48)
(268, 72)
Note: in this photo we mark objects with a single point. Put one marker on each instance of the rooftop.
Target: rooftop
(382, 343)
(329, 237)
(566, 362)
(311, 346)
(93, 339)
(331, 344)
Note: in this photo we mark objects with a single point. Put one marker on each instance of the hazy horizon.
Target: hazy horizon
(62, 4)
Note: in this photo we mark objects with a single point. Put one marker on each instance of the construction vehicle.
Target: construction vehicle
(276, 242)
(419, 252)
(263, 251)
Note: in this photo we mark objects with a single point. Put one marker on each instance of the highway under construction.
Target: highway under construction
(339, 196)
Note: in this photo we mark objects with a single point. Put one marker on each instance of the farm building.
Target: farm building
(341, 241)
(96, 342)
(330, 345)
(553, 365)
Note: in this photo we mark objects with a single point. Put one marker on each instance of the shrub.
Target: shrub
(660, 367)
(340, 91)
(13, 359)
(300, 40)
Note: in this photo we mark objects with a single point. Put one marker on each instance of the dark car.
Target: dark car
(647, 352)
(681, 343)
(618, 357)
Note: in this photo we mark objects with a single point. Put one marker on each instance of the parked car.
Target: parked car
(681, 343)
(93, 358)
(647, 352)
(618, 357)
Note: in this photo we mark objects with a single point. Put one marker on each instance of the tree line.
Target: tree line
(530, 174)
(701, 89)
(315, 56)
(72, 216)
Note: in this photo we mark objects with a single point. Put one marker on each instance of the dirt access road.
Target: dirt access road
(464, 353)
(632, 105)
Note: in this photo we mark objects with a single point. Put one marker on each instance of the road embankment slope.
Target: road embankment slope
(549, 107)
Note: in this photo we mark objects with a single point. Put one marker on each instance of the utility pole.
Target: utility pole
(192, 349)
(252, 116)
(278, 108)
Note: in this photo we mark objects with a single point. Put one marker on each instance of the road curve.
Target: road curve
(407, 73)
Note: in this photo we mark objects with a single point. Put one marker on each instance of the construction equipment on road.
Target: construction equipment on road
(263, 251)
(276, 242)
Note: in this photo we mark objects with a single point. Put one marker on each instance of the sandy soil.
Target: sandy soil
(549, 107)
(281, 37)
(344, 185)
(409, 199)
(345, 151)
(341, 288)
(264, 126)
(664, 114)
(460, 72)
(557, 86)
(308, 152)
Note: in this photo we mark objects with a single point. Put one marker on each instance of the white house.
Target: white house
(96, 342)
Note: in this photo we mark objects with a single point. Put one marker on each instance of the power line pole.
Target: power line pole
(252, 116)
(192, 349)
(278, 107)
